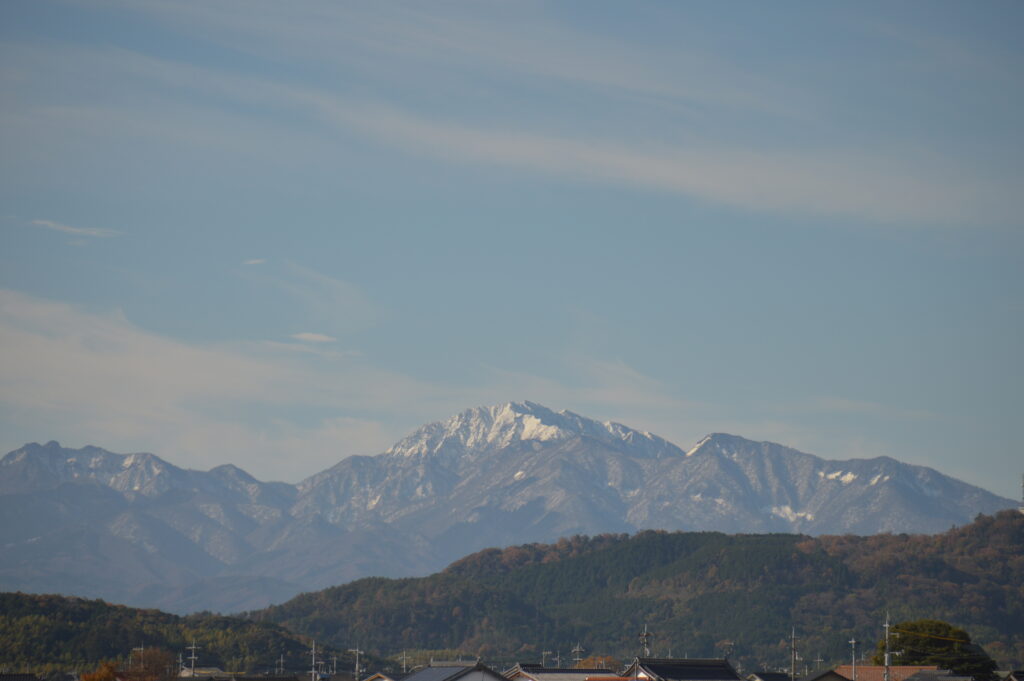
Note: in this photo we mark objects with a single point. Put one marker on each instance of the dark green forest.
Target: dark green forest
(702, 594)
(42, 633)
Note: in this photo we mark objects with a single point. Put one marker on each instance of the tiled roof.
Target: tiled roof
(437, 673)
(937, 675)
(827, 675)
(870, 672)
(539, 673)
(770, 676)
(676, 669)
(450, 671)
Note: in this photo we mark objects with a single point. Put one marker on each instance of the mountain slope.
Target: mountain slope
(694, 590)
(38, 631)
(489, 476)
(521, 471)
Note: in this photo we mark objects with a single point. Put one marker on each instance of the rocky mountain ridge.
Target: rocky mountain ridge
(489, 476)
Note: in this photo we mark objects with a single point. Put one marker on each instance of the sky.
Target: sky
(278, 234)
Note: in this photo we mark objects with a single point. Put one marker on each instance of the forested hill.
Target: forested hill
(56, 632)
(697, 591)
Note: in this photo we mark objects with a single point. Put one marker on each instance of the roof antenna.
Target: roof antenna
(645, 641)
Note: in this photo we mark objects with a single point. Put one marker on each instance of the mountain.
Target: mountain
(518, 471)
(696, 591)
(489, 476)
(47, 632)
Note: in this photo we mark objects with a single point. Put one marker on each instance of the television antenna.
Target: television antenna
(645, 641)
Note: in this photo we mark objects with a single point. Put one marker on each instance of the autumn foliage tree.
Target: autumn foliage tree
(107, 671)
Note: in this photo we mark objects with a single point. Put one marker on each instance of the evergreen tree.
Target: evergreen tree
(933, 642)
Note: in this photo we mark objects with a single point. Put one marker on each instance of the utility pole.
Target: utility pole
(792, 656)
(404, 669)
(886, 658)
(577, 653)
(357, 652)
(544, 658)
(280, 665)
(312, 666)
(192, 657)
(853, 654)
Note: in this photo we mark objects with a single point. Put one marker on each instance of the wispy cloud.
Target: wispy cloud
(254, 261)
(846, 183)
(886, 183)
(525, 42)
(97, 378)
(313, 337)
(75, 231)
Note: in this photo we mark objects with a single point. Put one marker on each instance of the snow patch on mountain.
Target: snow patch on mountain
(844, 477)
(789, 514)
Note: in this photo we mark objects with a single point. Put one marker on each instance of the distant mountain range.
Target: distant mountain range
(136, 529)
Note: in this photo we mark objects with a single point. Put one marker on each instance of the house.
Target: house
(534, 672)
(871, 672)
(827, 675)
(938, 675)
(455, 671)
(676, 669)
(769, 676)
(387, 676)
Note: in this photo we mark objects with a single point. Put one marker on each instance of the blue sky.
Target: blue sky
(279, 234)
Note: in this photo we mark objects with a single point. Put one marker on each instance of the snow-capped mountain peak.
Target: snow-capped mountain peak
(512, 423)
